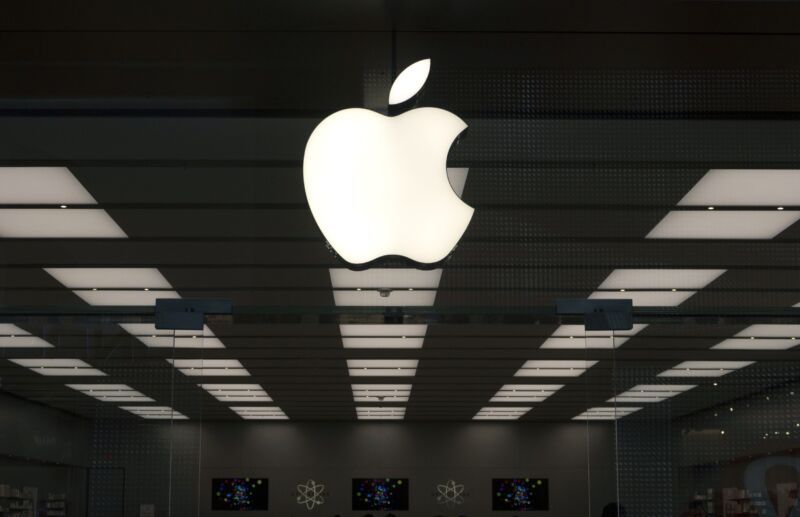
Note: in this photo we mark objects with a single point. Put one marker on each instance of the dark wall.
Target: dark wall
(333, 454)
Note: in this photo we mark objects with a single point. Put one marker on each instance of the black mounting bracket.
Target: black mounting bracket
(599, 314)
(188, 314)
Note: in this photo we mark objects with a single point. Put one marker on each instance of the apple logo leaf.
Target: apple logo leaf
(409, 82)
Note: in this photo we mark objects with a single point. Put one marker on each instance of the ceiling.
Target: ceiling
(585, 131)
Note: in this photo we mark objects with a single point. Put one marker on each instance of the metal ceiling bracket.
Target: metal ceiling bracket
(599, 314)
(188, 314)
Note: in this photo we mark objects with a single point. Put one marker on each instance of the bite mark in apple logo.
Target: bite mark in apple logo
(377, 185)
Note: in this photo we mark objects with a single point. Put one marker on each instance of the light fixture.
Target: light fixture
(382, 336)
(501, 413)
(155, 412)
(577, 337)
(745, 187)
(209, 367)
(395, 393)
(380, 413)
(385, 287)
(111, 392)
(11, 336)
(525, 392)
(382, 367)
(55, 223)
(658, 279)
(260, 412)
(554, 368)
(115, 286)
(704, 368)
(41, 186)
(723, 224)
(377, 185)
(762, 337)
(606, 413)
(59, 367)
(649, 393)
(237, 392)
(161, 338)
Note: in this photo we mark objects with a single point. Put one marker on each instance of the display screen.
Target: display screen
(239, 494)
(380, 494)
(520, 494)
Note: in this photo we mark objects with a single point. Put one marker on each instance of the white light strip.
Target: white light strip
(42, 186)
(115, 286)
(155, 412)
(394, 393)
(11, 336)
(606, 413)
(554, 368)
(763, 337)
(382, 367)
(383, 336)
(704, 368)
(745, 187)
(501, 413)
(56, 223)
(385, 287)
(209, 367)
(59, 367)
(111, 392)
(260, 412)
(237, 392)
(160, 338)
(723, 224)
(525, 392)
(380, 413)
(651, 393)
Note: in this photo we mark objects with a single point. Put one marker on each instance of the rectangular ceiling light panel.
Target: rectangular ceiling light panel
(209, 367)
(380, 413)
(525, 392)
(260, 412)
(723, 224)
(704, 368)
(745, 187)
(650, 393)
(42, 186)
(554, 368)
(394, 393)
(385, 287)
(383, 336)
(660, 278)
(382, 367)
(111, 392)
(161, 338)
(58, 223)
(501, 413)
(646, 298)
(155, 412)
(11, 336)
(109, 278)
(59, 367)
(237, 392)
(763, 337)
(607, 413)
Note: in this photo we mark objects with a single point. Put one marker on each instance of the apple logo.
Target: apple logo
(377, 185)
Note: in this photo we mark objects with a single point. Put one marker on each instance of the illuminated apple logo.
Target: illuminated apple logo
(377, 185)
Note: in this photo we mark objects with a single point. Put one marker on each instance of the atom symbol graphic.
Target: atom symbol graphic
(450, 493)
(311, 494)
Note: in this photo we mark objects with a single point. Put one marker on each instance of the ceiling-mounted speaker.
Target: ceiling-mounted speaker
(188, 314)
